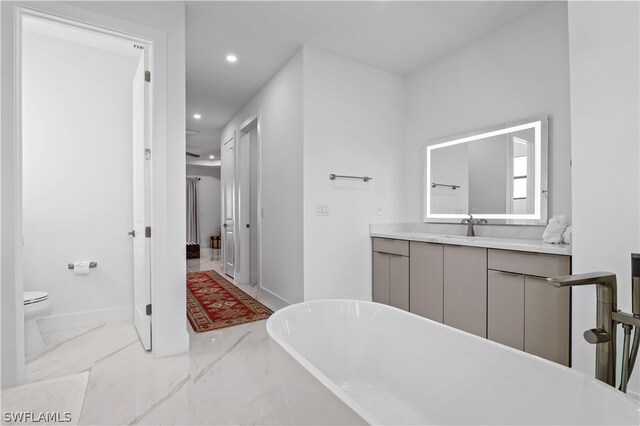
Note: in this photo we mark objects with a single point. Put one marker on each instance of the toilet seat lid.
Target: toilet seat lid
(35, 296)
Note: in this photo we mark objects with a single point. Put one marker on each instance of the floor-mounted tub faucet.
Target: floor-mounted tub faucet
(607, 318)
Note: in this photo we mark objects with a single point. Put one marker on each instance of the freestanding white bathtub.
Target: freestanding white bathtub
(353, 362)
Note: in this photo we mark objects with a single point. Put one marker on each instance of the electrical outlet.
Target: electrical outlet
(380, 210)
(323, 210)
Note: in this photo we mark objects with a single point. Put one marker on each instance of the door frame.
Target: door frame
(244, 238)
(147, 164)
(11, 152)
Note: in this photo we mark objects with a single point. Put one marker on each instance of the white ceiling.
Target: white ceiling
(398, 37)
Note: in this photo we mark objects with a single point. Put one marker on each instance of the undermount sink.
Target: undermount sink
(464, 237)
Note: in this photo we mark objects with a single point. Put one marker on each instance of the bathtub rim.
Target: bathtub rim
(313, 370)
(372, 419)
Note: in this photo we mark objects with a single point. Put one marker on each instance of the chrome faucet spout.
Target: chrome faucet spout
(470, 231)
(605, 283)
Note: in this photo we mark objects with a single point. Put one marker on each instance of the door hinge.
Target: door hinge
(147, 232)
(147, 76)
(147, 153)
(148, 309)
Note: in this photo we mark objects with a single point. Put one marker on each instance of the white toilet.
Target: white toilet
(36, 305)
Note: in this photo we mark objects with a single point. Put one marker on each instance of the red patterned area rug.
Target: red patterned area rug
(213, 302)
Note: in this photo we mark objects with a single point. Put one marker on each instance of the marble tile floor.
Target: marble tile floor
(228, 376)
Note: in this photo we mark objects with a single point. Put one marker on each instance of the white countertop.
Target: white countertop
(533, 246)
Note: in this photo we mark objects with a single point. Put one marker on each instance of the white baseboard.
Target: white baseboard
(273, 300)
(84, 319)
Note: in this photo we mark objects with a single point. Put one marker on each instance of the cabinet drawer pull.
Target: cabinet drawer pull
(505, 272)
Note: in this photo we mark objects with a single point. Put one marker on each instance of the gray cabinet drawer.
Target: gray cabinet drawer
(539, 265)
(387, 245)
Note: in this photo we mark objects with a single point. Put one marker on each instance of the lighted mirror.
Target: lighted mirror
(498, 174)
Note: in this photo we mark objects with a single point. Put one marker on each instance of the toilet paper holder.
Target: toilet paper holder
(91, 265)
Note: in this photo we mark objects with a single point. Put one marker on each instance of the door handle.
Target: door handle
(224, 226)
(132, 233)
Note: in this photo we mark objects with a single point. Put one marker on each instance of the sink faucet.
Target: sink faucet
(469, 222)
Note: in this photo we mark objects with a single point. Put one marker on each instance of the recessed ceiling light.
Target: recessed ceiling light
(197, 116)
(232, 58)
(212, 157)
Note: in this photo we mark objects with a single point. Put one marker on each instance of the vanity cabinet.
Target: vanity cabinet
(498, 294)
(524, 311)
(391, 272)
(426, 280)
(465, 288)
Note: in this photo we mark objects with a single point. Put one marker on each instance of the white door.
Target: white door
(141, 175)
(228, 163)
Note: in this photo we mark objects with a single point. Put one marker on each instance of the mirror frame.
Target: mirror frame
(540, 214)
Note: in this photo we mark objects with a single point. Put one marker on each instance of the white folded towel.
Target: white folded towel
(554, 230)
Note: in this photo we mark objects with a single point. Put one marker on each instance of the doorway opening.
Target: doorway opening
(84, 176)
(225, 291)
(248, 161)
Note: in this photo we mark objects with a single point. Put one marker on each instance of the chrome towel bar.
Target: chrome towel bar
(362, 178)
(433, 185)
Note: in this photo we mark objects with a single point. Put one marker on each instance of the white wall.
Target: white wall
(280, 105)
(352, 125)
(518, 71)
(209, 201)
(12, 322)
(605, 122)
(77, 179)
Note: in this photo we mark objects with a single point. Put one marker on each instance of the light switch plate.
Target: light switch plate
(323, 210)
